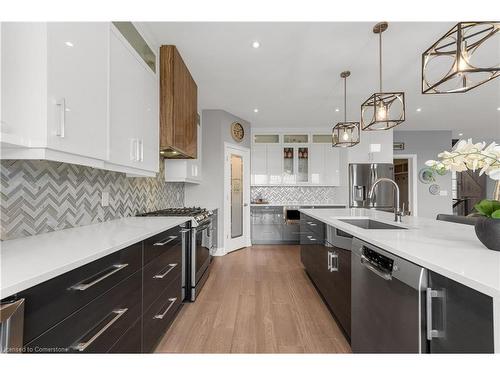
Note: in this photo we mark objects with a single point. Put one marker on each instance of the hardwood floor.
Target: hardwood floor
(256, 300)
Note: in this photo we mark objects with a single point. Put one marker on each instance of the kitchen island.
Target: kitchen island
(449, 249)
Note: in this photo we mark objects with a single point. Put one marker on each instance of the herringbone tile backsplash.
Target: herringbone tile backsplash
(298, 194)
(42, 196)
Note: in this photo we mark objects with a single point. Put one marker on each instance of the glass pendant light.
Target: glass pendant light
(382, 110)
(345, 134)
(464, 58)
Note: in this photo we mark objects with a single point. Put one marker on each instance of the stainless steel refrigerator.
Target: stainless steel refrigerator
(361, 178)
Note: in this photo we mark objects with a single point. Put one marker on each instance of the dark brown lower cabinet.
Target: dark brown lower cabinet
(329, 268)
(158, 317)
(121, 303)
(96, 327)
(131, 341)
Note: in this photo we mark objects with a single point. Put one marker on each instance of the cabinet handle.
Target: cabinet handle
(311, 223)
(334, 261)
(133, 149)
(61, 103)
(329, 262)
(81, 346)
(162, 275)
(165, 241)
(429, 295)
(141, 148)
(137, 150)
(162, 315)
(86, 284)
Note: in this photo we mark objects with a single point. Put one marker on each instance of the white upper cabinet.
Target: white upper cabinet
(77, 71)
(186, 170)
(259, 175)
(58, 100)
(374, 147)
(304, 160)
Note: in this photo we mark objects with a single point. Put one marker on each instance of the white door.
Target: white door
(236, 197)
(77, 87)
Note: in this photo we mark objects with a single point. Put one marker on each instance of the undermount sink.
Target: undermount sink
(370, 224)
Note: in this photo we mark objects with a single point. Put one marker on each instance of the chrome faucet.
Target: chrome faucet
(398, 214)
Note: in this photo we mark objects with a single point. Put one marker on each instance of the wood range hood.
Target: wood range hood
(178, 107)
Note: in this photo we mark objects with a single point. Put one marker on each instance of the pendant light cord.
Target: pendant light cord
(345, 99)
(380, 59)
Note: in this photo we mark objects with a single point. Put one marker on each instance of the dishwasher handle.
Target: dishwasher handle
(376, 270)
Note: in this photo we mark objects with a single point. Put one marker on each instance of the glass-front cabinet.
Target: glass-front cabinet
(294, 159)
(295, 164)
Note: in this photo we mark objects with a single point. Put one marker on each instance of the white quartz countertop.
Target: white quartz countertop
(451, 249)
(26, 262)
(297, 204)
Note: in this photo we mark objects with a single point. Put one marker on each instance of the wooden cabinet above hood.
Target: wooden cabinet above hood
(178, 106)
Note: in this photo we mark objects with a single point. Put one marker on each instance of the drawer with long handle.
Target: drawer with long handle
(160, 273)
(96, 327)
(52, 301)
(160, 315)
(157, 245)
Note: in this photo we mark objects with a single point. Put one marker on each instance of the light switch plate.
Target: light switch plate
(105, 198)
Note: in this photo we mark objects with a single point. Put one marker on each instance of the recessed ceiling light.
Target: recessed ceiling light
(460, 134)
(419, 109)
(256, 110)
(337, 110)
(498, 109)
(255, 44)
(69, 44)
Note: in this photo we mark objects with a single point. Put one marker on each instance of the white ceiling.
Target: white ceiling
(293, 78)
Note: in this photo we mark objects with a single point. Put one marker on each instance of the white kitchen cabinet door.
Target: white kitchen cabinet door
(317, 158)
(149, 128)
(382, 146)
(126, 104)
(77, 72)
(23, 84)
(332, 166)
(259, 174)
(274, 164)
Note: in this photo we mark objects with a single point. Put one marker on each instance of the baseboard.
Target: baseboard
(220, 251)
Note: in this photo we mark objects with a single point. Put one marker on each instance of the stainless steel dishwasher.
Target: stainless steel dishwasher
(387, 302)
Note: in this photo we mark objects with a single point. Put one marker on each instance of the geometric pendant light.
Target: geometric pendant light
(382, 110)
(464, 58)
(346, 133)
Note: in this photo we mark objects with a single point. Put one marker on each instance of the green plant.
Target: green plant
(489, 208)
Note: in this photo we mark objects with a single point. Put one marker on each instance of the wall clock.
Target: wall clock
(237, 131)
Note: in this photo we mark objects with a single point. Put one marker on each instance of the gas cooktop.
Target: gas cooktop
(198, 213)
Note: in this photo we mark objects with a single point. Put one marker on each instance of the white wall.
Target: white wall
(215, 129)
(427, 145)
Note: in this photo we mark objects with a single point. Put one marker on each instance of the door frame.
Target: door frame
(413, 179)
(246, 196)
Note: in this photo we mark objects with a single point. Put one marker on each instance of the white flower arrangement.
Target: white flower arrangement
(469, 156)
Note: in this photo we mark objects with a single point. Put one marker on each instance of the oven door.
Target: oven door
(200, 257)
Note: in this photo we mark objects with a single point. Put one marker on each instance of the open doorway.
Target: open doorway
(405, 176)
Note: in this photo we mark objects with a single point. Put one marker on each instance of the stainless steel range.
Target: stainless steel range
(198, 247)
